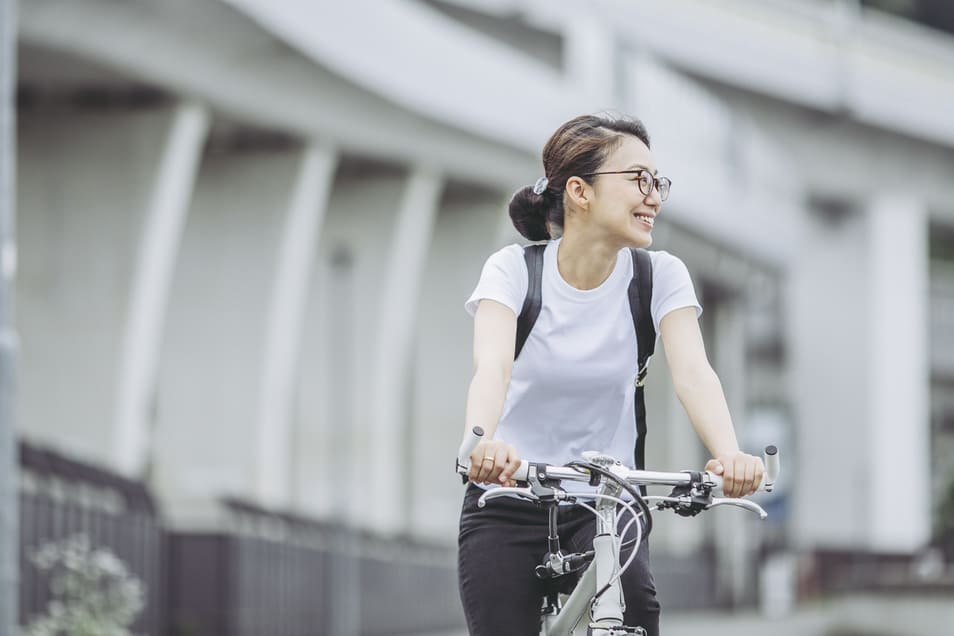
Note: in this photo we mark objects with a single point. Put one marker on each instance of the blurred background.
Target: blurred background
(245, 231)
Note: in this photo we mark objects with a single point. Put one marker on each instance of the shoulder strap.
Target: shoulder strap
(640, 305)
(533, 255)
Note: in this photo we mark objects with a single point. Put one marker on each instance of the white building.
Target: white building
(247, 230)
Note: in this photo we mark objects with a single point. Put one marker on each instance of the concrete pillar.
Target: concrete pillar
(285, 322)
(325, 452)
(400, 286)
(87, 179)
(898, 432)
(858, 327)
(827, 310)
(210, 387)
(166, 209)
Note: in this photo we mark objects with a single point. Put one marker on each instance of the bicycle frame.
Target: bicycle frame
(609, 609)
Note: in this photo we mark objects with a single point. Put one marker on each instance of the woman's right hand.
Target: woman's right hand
(493, 462)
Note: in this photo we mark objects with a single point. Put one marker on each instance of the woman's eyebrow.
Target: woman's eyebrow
(639, 165)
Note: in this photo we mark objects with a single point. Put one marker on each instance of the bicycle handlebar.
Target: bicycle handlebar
(635, 477)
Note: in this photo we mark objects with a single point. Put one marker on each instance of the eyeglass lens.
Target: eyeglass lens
(647, 181)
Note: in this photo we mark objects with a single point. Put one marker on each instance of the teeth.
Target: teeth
(648, 219)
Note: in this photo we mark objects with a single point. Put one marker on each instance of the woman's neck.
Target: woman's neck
(584, 263)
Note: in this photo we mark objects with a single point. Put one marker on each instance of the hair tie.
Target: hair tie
(541, 185)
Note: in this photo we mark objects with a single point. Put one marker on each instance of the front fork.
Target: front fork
(608, 607)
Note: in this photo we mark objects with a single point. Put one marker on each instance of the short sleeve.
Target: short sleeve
(672, 287)
(503, 279)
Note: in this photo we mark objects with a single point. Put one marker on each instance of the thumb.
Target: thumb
(715, 466)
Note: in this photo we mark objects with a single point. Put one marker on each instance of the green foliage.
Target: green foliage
(93, 594)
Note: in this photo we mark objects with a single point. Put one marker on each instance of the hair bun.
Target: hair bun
(528, 211)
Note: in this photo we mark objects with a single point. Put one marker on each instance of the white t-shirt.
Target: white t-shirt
(572, 387)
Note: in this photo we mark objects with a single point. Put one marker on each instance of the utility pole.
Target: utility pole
(9, 510)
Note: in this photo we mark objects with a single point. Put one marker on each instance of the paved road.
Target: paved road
(803, 624)
(846, 616)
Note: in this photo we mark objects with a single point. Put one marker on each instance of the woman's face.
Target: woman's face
(618, 207)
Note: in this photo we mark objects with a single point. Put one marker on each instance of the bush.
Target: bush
(93, 593)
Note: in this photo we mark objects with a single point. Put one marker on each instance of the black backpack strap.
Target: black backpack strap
(640, 305)
(533, 254)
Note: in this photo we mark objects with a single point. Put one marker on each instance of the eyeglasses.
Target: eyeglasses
(645, 180)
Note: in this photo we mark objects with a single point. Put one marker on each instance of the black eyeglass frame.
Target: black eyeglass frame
(656, 181)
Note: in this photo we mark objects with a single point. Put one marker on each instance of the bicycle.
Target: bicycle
(598, 592)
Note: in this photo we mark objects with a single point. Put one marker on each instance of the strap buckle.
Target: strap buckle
(641, 375)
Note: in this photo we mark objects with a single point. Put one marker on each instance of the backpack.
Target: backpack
(640, 301)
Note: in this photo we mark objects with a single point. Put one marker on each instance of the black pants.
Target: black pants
(501, 544)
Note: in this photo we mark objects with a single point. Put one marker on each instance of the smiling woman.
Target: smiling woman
(570, 388)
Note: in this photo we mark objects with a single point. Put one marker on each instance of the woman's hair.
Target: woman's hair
(578, 147)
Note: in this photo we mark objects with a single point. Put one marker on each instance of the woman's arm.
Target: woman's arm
(495, 329)
(700, 392)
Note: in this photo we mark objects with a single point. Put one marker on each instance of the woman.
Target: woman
(571, 388)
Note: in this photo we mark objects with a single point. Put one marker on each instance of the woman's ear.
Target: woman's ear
(579, 192)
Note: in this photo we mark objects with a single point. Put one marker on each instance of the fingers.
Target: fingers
(742, 474)
(493, 462)
(499, 463)
(748, 485)
(513, 463)
(479, 463)
(754, 470)
(729, 483)
(486, 461)
(759, 474)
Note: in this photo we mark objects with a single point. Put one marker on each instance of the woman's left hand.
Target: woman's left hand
(741, 473)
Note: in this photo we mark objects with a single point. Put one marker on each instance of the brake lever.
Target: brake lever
(537, 494)
(503, 491)
(745, 504)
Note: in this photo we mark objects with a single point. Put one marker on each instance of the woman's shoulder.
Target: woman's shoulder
(508, 257)
(663, 258)
(669, 269)
(512, 251)
(667, 264)
(503, 279)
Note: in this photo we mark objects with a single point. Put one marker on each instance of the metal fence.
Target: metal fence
(841, 571)
(284, 575)
(61, 498)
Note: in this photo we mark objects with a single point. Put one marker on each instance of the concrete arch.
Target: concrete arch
(158, 247)
(285, 322)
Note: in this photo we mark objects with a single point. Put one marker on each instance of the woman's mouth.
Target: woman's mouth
(645, 218)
